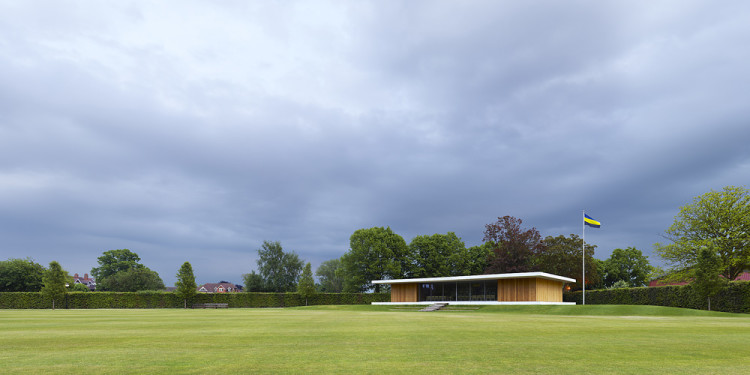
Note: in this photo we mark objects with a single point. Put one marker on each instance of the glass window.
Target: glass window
(482, 290)
(426, 292)
(490, 290)
(464, 291)
(449, 291)
(477, 291)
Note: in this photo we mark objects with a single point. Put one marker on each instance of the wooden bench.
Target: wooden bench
(210, 305)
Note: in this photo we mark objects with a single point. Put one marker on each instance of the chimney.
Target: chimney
(75, 276)
(85, 276)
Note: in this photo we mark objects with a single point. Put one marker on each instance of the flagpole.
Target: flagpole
(583, 256)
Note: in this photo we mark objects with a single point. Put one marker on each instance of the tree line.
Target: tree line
(379, 253)
(119, 271)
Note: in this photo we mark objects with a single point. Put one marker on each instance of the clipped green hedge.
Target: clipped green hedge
(118, 300)
(735, 297)
(24, 300)
(156, 300)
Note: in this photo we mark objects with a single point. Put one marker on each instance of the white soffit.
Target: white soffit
(521, 275)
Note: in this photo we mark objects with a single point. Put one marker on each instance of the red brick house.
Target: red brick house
(218, 288)
(85, 280)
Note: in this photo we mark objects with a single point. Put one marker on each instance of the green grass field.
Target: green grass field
(376, 339)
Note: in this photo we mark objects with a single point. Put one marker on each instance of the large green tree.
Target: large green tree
(120, 271)
(374, 254)
(186, 286)
(628, 265)
(134, 279)
(514, 248)
(478, 258)
(439, 255)
(56, 281)
(306, 285)
(112, 262)
(561, 255)
(279, 270)
(254, 282)
(330, 274)
(21, 275)
(598, 264)
(717, 220)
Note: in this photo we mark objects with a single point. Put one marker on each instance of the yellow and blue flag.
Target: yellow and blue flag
(591, 222)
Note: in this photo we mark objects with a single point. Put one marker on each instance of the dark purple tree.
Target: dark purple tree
(513, 247)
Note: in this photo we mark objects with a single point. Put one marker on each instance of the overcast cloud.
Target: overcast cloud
(193, 131)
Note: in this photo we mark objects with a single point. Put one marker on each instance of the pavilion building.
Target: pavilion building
(527, 288)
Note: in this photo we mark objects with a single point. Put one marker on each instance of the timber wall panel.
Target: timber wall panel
(404, 292)
(528, 289)
(549, 290)
(506, 290)
(514, 290)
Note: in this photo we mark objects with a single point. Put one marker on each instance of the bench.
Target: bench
(210, 305)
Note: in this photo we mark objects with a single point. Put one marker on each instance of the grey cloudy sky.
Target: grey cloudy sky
(193, 131)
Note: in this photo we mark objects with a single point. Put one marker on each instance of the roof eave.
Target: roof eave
(520, 275)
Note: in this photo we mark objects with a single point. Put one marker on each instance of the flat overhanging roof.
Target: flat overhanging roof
(498, 276)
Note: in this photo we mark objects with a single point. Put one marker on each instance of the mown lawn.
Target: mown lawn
(376, 339)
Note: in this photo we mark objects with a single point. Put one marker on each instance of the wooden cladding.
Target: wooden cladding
(511, 290)
(405, 292)
(529, 289)
(549, 290)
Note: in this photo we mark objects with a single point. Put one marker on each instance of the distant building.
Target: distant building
(218, 288)
(85, 280)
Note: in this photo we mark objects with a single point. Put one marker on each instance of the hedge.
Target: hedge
(735, 297)
(154, 300)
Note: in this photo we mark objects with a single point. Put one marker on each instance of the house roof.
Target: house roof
(498, 276)
(212, 287)
(84, 279)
